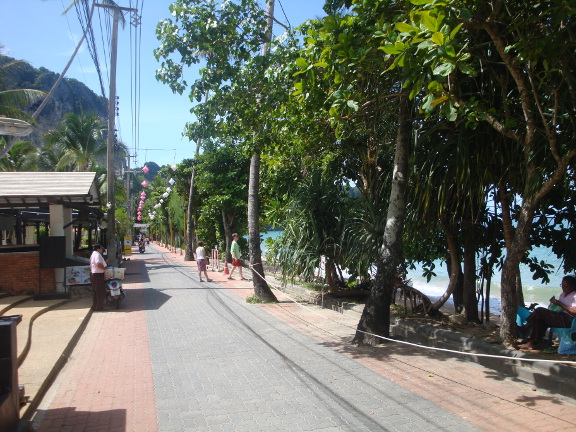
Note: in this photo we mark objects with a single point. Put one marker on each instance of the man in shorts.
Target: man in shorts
(235, 252)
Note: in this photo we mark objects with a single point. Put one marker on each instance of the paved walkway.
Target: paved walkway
(181, 355)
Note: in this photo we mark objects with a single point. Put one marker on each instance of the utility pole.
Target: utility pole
(112, 244)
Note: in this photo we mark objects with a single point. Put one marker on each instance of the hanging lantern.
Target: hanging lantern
(174, 167)
(171, 181)
(165, 195)
(139, 218)
(168, 190)
(145, 169)
(161, 201)
(144, 183)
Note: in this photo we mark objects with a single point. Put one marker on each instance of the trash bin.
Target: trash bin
(9, 393)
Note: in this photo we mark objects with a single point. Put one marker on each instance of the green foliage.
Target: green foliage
(23, 156)
(313, 223)
(254, 299)
(80, 141)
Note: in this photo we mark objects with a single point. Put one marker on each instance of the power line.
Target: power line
(284, 12)
(82, 12)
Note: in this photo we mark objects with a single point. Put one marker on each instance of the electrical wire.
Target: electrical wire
(135, 74)
(83, 12)
(284, 12)
(72, 37)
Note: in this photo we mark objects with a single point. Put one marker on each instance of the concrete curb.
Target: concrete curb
(16, 303)
(556, 378)
(27, 412)
(26, 348)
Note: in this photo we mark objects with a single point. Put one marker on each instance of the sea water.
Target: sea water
(535, 291)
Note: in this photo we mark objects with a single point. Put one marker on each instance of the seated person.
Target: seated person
(542, 318)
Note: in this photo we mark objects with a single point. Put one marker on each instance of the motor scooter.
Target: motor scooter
(141, 247)
(114, 292)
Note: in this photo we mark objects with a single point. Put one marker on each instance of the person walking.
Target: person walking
(201, 261)
(97, 267)
(236, 261)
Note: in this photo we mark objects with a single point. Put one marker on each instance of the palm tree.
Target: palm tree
(81, 140)
(23, 156)
(12, 101)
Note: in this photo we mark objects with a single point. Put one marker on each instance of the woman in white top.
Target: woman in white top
(97, 267)
(543, 318)
(201, 261)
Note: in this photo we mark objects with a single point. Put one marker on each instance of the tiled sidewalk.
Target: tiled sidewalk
(109, 385)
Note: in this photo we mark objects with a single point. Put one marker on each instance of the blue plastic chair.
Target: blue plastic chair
(566, 338)
(522, 315)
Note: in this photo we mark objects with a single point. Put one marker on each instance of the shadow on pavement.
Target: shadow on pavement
(80, 420)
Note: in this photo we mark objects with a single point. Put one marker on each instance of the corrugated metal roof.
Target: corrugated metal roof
(25, 189)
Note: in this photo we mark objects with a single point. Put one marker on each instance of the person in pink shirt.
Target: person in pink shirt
(97, 267)
(543, 318)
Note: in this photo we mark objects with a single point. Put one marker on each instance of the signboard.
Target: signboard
(127, 245)
(78, 275)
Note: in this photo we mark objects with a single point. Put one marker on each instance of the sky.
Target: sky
(37, 31)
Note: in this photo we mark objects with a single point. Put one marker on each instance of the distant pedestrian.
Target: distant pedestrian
(236, 261)
(201, 260)
(97, 267)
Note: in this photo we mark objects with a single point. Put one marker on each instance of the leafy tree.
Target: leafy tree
(343, 48)
(523, 53)
(225, 36)
(223, 185)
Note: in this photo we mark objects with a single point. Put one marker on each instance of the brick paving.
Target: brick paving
(188, 356)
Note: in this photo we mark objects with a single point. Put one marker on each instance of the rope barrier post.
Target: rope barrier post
(226, 267)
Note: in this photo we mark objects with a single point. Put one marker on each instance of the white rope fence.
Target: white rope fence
(521, 359)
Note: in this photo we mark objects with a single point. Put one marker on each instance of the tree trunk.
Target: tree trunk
(331, 278)
(228, 223)
(191, 222)
(470, 299)
(518, 248)
(454, 270)
(261, 288)
(375, 318)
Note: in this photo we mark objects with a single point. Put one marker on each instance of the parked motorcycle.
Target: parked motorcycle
(114, 292)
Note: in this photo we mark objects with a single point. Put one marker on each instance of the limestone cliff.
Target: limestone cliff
(71, 96)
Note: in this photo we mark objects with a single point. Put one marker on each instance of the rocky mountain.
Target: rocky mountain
(71, 96)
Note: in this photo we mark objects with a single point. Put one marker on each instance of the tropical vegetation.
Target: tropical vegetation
(385, 134)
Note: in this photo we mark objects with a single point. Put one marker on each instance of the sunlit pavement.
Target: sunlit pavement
(181, 355)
